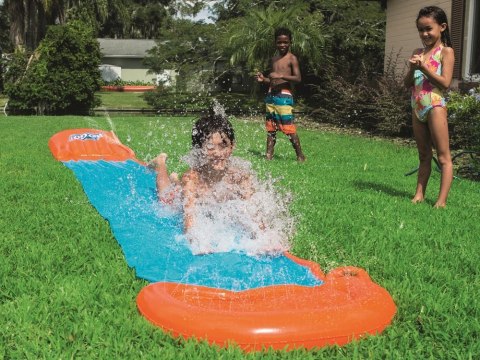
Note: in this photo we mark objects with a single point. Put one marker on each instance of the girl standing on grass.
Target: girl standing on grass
(429, 76)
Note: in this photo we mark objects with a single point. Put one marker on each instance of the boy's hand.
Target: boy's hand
(259, 77)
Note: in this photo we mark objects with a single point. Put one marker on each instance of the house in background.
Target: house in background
(123, 59)
(464, 20)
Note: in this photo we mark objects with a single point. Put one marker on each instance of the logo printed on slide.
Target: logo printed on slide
(85, 136)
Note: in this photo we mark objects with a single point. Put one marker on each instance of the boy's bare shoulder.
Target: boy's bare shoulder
(292, 56)
(287, 57)
(276, 58)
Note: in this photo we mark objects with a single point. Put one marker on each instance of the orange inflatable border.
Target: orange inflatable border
(89, 144)
(347, 306)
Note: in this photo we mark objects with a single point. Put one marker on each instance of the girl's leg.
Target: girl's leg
(424, 146)
(438, 125)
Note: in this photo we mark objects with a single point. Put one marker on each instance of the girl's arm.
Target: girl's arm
(443, 80)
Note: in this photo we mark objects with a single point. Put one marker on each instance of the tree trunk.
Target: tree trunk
(16, 12)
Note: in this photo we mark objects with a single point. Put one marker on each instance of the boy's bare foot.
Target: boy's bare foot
(440, 205)
(301, 158)
(174, 178)
(160, 160)
(269, 156)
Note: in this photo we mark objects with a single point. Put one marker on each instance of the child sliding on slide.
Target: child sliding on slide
(213, 141)
(224, 206)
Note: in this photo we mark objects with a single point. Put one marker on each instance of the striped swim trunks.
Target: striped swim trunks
(279, 115)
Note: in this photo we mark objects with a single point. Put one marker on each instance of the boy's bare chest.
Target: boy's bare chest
(226, 189)
(282, 65)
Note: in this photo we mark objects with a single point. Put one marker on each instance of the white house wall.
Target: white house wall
(110, 72)
(401, 36)
(131, 69)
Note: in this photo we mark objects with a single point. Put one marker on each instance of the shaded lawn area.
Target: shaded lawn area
(119, 100)
(66, 290)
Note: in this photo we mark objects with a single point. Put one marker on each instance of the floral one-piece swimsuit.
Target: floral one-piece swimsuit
(425, 96)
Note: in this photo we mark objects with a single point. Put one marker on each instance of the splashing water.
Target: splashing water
(226, 222)
(218, 108)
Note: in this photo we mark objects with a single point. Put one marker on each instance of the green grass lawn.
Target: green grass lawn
(66, 290)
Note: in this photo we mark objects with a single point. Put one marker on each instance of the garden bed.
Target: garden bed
(130, 88)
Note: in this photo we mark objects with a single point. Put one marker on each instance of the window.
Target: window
(472, 41)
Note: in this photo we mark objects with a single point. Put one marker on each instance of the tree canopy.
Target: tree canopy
(29, 19)
(249, 40)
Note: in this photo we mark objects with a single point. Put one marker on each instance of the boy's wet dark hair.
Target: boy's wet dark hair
(208, 125)
(283, 31)
(440, 17)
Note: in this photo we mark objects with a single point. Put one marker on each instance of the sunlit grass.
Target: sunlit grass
(66, 290)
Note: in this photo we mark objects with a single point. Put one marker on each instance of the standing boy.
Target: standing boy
(279, 100)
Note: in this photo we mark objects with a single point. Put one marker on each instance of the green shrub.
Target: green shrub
(234, 103)
(343, 103)
(120, 82)
(61, 76)
(14, 67)
(464, 118)
(391, 101)
(376, 103)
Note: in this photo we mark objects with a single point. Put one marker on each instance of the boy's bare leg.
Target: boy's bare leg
(424, 147)
(296, 145)
(163, 181)
(271, 140)
(439, 130)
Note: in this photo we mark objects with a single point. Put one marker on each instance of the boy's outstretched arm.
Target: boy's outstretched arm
(162, 178)
(189, 198)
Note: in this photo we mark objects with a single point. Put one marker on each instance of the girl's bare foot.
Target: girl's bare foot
(417, 199)
(440, 205)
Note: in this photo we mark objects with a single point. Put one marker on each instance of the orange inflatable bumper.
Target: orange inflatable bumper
(94, 145)
(347, 306)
